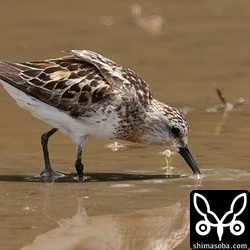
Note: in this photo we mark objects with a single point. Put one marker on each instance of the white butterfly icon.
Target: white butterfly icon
(203, 227)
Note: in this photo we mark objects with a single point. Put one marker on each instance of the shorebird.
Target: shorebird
(84, 95)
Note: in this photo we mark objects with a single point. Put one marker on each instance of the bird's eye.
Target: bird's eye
(175, 130)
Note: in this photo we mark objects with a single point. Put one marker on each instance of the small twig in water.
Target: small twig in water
(220, 94)
(225, 107)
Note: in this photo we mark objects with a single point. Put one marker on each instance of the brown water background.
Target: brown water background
(183, 49)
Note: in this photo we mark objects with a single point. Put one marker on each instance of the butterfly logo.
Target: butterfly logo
(210, 219)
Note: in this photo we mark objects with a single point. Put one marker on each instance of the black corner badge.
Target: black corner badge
(220, 219)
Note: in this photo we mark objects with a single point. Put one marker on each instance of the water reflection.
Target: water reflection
(94, 177)
(158, 228)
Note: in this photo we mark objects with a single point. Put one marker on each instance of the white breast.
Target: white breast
(68, 125)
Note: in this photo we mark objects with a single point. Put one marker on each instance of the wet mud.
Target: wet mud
(183, 49)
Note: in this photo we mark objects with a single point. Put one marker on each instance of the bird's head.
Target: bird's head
(166, 126)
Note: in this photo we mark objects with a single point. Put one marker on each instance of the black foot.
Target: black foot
(51, 175)
(80, 178)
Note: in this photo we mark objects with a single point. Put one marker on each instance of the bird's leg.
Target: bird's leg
(44, 140)
(78, 165)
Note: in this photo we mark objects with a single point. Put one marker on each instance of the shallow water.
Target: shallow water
(200, 44)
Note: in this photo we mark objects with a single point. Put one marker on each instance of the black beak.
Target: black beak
(185, 153)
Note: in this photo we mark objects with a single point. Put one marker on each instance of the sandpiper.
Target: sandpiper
(86, 95)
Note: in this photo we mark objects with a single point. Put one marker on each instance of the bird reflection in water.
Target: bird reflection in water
(158, 228)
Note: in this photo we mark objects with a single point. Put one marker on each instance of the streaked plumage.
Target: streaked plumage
(87, 95)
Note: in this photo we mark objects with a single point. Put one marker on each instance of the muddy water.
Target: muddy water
(199, 45)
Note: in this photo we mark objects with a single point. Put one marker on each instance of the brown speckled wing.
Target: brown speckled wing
(129, 83)
(80, 84)
(67, 83)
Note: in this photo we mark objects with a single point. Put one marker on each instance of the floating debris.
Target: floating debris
(185, 110)
(115, 146)
(151, 20)
(225, 106)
